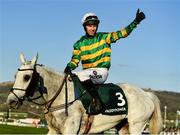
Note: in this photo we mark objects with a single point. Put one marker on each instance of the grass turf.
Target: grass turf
(8, 129)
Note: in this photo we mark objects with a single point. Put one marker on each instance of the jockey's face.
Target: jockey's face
(91, 29)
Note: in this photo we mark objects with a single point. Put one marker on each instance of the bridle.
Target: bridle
(29, 91)
(47, 104)
(20, 100)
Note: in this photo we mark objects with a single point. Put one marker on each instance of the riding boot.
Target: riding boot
(96, 106)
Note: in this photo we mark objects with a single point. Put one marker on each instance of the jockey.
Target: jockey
(94, 51)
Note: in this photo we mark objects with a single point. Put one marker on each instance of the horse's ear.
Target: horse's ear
(34, 60)
(22, 58)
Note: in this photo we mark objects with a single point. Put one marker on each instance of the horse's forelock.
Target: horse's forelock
(27, 63)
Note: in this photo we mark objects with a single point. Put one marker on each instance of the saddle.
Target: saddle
(111, 95)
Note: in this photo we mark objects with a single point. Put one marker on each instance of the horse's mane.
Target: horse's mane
(50, 70)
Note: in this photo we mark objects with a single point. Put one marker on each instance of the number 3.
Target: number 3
(120, 98)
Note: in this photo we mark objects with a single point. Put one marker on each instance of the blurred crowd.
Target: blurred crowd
(171, 131)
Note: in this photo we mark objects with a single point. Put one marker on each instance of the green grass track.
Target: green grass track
(8, 129)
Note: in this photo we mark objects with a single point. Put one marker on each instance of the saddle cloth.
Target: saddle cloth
(112, 96)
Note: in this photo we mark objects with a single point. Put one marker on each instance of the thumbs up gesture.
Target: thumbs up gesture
(139, 16)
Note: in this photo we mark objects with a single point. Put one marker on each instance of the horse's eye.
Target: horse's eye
(27, 77)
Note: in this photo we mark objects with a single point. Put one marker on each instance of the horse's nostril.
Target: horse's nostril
(12, 103)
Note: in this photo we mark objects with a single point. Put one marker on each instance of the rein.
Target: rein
(62, 106)
(49, 103)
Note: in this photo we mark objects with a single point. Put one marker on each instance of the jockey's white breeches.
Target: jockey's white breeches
(97, 75)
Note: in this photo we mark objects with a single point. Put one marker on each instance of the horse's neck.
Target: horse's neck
(52, 81)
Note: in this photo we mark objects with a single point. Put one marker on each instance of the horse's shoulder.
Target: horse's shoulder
(77, 107)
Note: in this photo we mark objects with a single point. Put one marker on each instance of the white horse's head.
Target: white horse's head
(23, 78)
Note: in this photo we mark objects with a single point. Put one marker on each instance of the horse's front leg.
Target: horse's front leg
(73, 121)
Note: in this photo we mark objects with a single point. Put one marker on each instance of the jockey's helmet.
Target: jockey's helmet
(90, 18)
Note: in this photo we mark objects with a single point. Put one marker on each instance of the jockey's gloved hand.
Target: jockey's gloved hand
(139, 16)
(67, 70)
